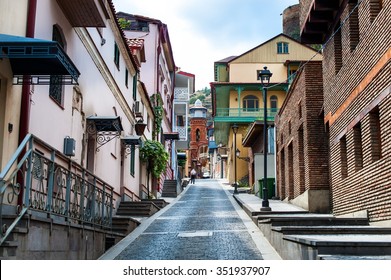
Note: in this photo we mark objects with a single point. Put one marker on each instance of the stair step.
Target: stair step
(331, 230)
(337, 244)
(309, 220)
(353, 257)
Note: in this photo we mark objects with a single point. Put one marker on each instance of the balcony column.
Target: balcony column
(239, 90)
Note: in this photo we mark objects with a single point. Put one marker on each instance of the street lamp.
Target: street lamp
(264, 75)
(235, 128)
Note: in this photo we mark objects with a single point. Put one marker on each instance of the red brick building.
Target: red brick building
(302, 151)
(357, 100)
(198, 137)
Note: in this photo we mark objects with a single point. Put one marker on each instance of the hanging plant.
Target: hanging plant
(153, 153)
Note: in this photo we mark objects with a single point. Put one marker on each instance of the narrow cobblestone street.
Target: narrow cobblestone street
(205, 223)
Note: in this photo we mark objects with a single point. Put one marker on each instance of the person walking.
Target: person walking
(193, 174)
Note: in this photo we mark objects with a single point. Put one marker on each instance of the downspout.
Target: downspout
(26, 102)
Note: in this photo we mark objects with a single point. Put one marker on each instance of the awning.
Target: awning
(104, 129)
(171, 136)
(38, 59)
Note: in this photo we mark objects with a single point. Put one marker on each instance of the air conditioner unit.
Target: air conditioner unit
(137, 109)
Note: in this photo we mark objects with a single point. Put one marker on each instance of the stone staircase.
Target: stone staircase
(8, 250)
(324, 236)
(170, 188)
(297, 234)
(144, 208)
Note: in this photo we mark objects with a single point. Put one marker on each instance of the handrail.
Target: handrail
(15, 187)
(52, 183)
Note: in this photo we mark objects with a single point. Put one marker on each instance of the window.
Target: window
(357, 141)
(132, 159)
(374, 8)
(282, 48)
(338, 51)
(56, 87)
(250, 103)
(116, 55)
(375, 134)
(180, 121)
(127, 77)
(135, 87)
(198, 135)
(273, 103)
(343, 157)
(354, 27)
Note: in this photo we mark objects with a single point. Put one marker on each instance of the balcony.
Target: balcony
(181, 94)
(244, 115)
(182, 132)
(87, 13)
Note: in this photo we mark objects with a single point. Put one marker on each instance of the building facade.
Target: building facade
(70, 83)
(158, 74)
(237, 98)
(357, 87)
(301, 143)
(198, 150)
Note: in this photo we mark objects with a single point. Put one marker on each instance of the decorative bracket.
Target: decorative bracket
(104, 129)
(130, 142)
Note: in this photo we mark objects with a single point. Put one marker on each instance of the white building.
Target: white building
(70, 97)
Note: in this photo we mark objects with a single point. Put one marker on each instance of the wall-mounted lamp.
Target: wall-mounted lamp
(242, 158)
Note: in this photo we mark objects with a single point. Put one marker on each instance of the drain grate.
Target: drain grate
(195, 234)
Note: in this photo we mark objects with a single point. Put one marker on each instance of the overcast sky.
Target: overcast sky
(205, 31)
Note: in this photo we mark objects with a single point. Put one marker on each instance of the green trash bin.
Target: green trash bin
(270, 188)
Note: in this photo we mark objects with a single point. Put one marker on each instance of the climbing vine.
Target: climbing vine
(157, 103)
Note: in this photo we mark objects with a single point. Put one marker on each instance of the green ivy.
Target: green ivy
(153, 153)
(157, 102)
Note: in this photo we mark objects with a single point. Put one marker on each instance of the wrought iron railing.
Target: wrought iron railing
(38, 177)
(255, 113)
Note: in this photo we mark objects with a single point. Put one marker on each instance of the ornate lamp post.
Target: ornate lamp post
(264, 75)
(235, 128)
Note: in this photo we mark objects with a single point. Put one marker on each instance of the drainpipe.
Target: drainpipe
(25, 102)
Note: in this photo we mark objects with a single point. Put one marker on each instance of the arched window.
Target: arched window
(56, 87)
(273, 103)
(198, 135)
(250, 103)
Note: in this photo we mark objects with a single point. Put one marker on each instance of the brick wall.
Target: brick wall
(302, 152)
(353, 96)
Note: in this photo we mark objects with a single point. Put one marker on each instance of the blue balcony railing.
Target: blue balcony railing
(48, 182)
(244, 114)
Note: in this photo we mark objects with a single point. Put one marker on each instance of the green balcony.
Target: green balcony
(244, 115)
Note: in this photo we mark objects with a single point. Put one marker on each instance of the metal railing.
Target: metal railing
(43, 179)
(256, 113)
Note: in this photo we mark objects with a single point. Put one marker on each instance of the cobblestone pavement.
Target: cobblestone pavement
(202, 225)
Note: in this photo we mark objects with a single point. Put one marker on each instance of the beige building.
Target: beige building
(237, 97)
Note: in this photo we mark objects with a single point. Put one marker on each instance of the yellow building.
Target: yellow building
(237, 98)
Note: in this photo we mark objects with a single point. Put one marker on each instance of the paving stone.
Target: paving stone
(202, 225)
